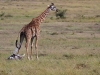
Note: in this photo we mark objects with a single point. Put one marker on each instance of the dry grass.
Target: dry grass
(77, 10)
(70, 47)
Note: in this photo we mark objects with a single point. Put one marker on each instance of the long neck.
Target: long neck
(43, 15)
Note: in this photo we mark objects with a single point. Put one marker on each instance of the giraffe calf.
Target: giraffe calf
(29, 32)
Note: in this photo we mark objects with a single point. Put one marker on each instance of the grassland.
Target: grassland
(68, 46)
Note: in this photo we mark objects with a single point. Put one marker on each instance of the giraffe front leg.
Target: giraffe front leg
(27, 52)
(31, 47)
(31, 51)
(36, 42)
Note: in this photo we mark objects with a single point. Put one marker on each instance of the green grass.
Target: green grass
(77, 11)
(61, 53)
(68, 46)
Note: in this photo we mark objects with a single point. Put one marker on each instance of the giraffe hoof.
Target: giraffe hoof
(29, 58)
(37, 58)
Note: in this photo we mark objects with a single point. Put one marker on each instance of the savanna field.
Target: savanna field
(67, 46)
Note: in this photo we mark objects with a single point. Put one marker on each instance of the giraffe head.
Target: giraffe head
(52, 7)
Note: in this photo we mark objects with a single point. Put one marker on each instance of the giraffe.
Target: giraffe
(31, 31)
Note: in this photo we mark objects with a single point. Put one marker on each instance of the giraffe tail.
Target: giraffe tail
(21, 35)
(16, 43)
(18, 46)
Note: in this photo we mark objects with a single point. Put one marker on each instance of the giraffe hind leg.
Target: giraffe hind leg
(27, 46)
(36, 42)
(31, 47)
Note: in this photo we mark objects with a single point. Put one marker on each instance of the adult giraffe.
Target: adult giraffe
(31, 31)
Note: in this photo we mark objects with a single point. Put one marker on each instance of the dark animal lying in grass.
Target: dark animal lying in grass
(16, 57)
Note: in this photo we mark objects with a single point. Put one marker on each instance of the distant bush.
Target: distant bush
(61, 14)
(2, 14)
(54, 33)
(8, 15)
(97, 15)
(2, 18)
